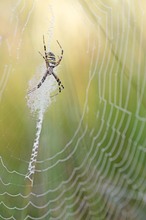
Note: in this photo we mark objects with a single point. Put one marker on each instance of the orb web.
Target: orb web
(90, 145)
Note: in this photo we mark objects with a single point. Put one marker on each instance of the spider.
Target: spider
(51, 63)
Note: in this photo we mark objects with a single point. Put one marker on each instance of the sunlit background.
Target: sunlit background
(91, 159)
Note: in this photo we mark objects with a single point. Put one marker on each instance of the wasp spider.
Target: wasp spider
(51, 63)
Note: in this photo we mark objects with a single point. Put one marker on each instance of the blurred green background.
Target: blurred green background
(92, 151)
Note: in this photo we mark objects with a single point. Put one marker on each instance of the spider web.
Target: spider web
(91, 138)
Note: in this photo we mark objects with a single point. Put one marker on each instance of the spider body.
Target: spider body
(50, 60)
(51, 63)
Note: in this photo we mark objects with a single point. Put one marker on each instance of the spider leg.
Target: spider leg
(60, 58)
(47, 64)
(43, 79)
(58, 81)
(40, 83)
(42, 55)
(45, 49)
(31, 90)
(59, 45)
